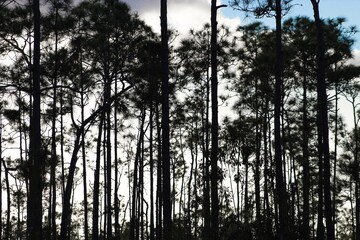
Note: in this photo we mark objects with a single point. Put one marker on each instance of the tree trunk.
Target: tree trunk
(151, 163)
(8, 201)
(323, 120)
(214, 127)
(96, 193)
(135, 196)
(206, 233)
(116, 183)
(266, 175)
(305, 230)
(246, 193)
(34, 208)
(1, 126)
(356, 170)
(165, 123)
(52, 207)
(108, 162)
(282, 233)
(257, 163)
(159, 191)
(336, 141)
(66, 211)
(86, 227)
(189, 226)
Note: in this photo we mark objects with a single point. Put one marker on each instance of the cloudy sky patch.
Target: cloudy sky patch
(183, 15)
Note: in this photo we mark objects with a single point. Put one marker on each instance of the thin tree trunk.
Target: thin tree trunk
(8, 201)
(214, 127)
(105, 179)
(335, 150)
(206, 233)
(1, 126)
(159, 191)
(134, 217)
(141, 188)
(257, 162)
(266, 174)
(282, 233)
(305, 231)
(116, 183)
(189, 230)
(246, 193)
(151, 174)
(96, 192)
(108, 164)
(52, 208)
(86, 227)
(356, 170)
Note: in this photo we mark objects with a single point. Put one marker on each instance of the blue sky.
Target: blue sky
(184, 15)
(348, 9)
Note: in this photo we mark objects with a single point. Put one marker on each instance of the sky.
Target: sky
(184, 15)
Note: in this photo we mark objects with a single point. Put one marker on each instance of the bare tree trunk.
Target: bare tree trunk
(66, 211)
(86, 227)
(266, 175)
(34, 207)
(282, 233)
(206, 233)
(1, 126)
(257, 163)
(159, 191)
(152, 237)
(214, 127)
(356, 168)
(336, 141)
(105, 179)
(52, 195)
(323, 124)
(165, 123)
(189, 226)
(108, 163)
(95, 222)
(246, 193)
(116, 183)
(141, 186)
(305, 230)
(8, 201)
(135, 194)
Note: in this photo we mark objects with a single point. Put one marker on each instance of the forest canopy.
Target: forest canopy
(109, 130)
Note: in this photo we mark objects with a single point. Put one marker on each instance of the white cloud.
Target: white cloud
(356, 58)
(183, 15)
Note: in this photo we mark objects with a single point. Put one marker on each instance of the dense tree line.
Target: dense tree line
(110, 131)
